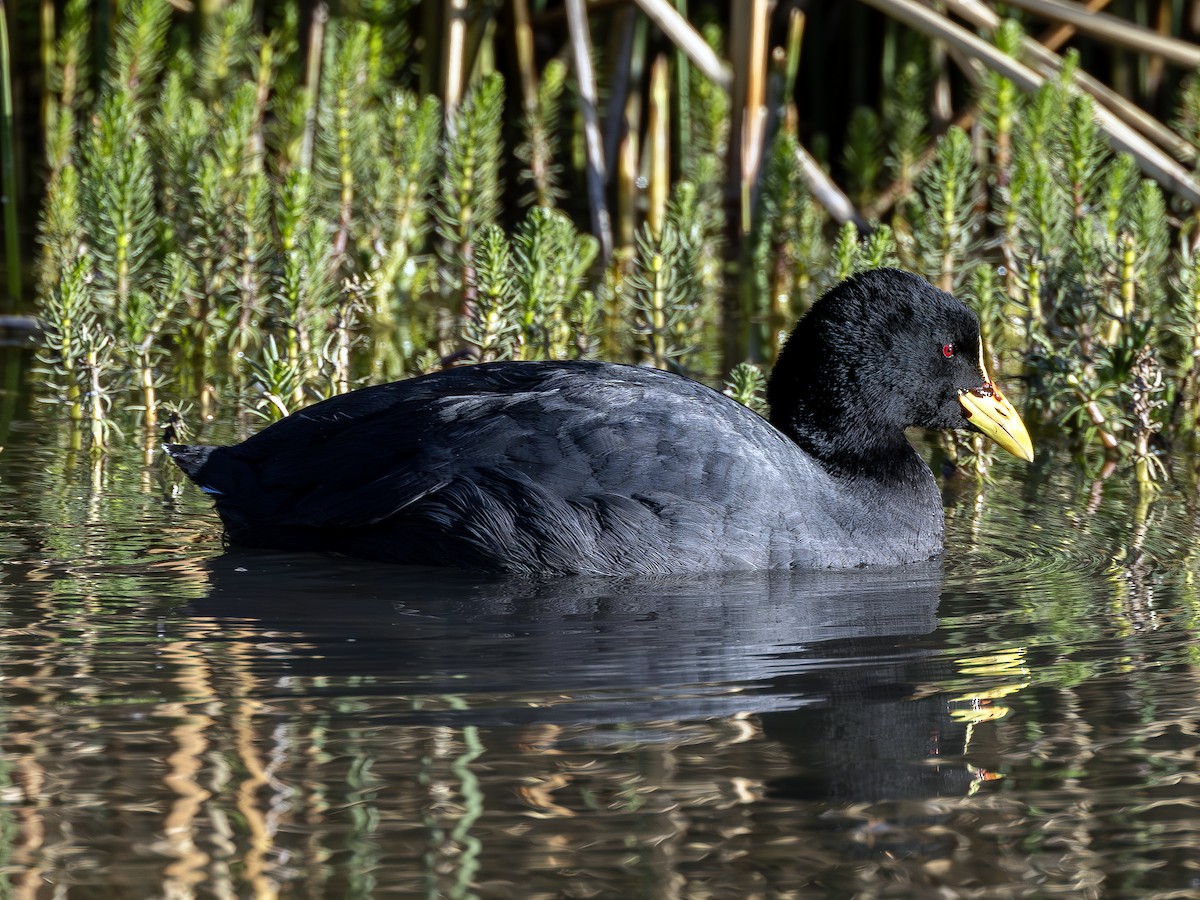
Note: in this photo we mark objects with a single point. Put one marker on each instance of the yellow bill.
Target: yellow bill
(989, 411)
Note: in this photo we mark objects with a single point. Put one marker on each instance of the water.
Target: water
(179, 721)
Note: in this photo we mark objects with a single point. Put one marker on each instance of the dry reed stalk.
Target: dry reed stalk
(597, 175)
(455, 62)
(1152, 161)
(312, 81)
(1043, 58)
(658, 146)
(687, 39)
(1114, 30)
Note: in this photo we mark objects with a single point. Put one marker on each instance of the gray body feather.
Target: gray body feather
(561, 468)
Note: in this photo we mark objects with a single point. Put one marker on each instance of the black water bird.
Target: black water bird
(590, 467)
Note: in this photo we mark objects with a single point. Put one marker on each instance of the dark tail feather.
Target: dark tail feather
(189, 457)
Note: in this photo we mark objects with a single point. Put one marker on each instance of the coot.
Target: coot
(590, 467)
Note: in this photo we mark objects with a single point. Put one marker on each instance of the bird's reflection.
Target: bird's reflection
(829, 662)
(445, 628)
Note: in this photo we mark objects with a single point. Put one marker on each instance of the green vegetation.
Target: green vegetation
(255, 214)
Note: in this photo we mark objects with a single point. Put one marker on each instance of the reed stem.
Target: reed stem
(8, 168)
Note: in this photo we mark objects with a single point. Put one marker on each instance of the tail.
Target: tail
(189, 457)
(234, 488)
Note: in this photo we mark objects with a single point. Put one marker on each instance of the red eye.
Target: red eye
(947, 350)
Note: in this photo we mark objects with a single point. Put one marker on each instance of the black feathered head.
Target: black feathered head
(881, 352)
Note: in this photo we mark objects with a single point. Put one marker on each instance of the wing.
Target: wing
(554, 463)
(359, 458)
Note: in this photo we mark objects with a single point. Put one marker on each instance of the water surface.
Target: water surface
(176, 720)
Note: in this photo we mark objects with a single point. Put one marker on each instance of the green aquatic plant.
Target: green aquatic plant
(1146, 404)
(492, 326)
(233, 199)
(1120, 185)
(1036, 214)
(844, 258)
(539, 152)
(1039, 196)
(1000, 106)
(986, 293)
(1186, 121)
(1088, 257)
(788, 249)
(117, 199)
(944, 223)
(179, 129)
(664, 285)
(77, 364)
(288, 80)
(279, 378)
(305, 287)
(863, 157)
(226, 50)
(470, 180)
(688, 215)
(854, 252)
(150, 316)
(68, 77)
(1184, 324)
(389, 37)
(342, 336)
(61, 232)
(97, 367)
(879, 248)
(904, 113)
(403, 206)
(747, 384)
(69, 311)
(348, 139)
(139, 50)
(528, 296)
(551, 259)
